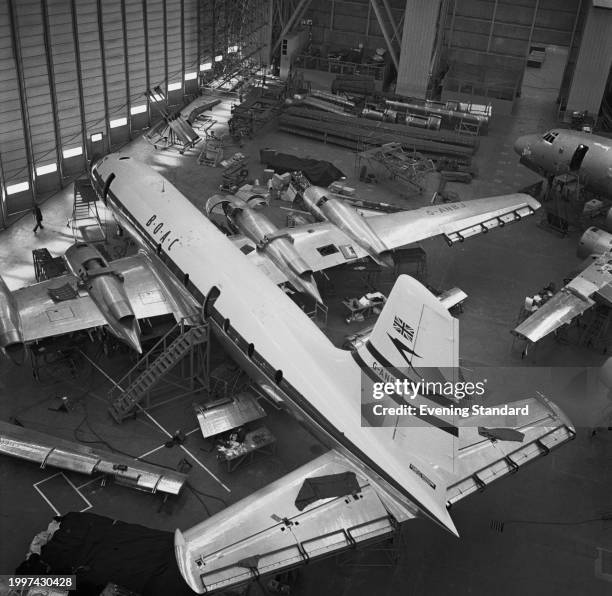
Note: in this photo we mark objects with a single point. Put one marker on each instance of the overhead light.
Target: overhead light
(95, 137)
(218, 58)
(72, 152)
(12, 189)
(189, 76)
(46, 169)
(139, 109)
(118, 122)
(205, 66)
(174, 86)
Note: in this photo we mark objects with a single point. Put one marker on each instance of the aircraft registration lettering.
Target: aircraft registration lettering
(446, 208)
(157, 229)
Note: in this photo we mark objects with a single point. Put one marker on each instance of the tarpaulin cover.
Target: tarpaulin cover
(99, 550)
(325, 487)
(320, 173)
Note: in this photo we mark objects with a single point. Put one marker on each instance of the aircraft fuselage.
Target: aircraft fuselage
(561, 151)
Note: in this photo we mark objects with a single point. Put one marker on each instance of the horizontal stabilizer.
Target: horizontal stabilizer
(482, 459)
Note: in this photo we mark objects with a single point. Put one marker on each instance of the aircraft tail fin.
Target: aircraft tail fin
(415, 329)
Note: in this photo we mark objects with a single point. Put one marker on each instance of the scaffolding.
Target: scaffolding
(151, 381)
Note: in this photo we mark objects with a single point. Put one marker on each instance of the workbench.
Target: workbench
(260, 439)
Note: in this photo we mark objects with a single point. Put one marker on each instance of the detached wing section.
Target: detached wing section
(149, 292)
(454, 221)
(266, 532)
(491, 448)
(43, 317)
(572, 300)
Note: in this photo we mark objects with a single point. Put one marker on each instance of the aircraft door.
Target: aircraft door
(578, 157)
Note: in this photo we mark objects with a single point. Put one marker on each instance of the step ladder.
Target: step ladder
(85, 220)
(132, 389)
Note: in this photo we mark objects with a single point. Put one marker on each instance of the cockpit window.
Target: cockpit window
(549, 137)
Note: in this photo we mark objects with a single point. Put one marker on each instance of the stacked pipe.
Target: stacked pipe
(449, 117)
(363, 133)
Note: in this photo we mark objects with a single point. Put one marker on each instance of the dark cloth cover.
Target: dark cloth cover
(501, 434)
(320, 173)
(324, 487)
(99, 550)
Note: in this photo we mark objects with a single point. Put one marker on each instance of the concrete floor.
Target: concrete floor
(544, 548)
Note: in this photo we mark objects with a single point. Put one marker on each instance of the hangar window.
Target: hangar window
(139, 109)
(117, 122)
(232, 49)
(174, 86)
(11, 189)
(206, 66)
(95, 137)
(47, 169)
(72, 152)
(218, 58)
(190, 76)
(328, 249)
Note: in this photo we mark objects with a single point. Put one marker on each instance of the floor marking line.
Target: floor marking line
(151, 451)
(78, 492)
(48, 478)
(90, 482)
(160, 426)
(45, 498)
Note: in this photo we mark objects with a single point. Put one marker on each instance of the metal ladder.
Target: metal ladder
(138, 383)
(85, 211)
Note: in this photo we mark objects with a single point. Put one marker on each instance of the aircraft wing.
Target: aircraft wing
(321, 245)
(491, 447)
(330, 505)
(272, 529)
(572, 300)
(41, 316)
(454, 221)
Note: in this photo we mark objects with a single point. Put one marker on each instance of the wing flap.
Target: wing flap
(266, 532)
(481, 460)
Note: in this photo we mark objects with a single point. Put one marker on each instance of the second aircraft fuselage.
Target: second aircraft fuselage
(562, 151)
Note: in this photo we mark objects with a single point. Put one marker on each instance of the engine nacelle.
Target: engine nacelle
(102, 282)
(11, 338)
(593, 242)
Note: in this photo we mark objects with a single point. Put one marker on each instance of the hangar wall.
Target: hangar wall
(73, 75)
(594, 62)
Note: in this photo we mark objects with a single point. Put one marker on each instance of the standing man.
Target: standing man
(38, 216)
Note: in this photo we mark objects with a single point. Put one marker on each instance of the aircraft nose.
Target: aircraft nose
(521, 144)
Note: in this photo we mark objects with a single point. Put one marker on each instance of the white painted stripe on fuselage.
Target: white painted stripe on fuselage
(324, 375)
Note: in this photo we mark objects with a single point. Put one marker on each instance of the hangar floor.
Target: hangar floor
(548, 545)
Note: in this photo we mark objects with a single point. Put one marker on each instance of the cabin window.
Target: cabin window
(278, 376)
(322, 201)
(246, 249)
(328, 249)
(251, 350)
(226, 325)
